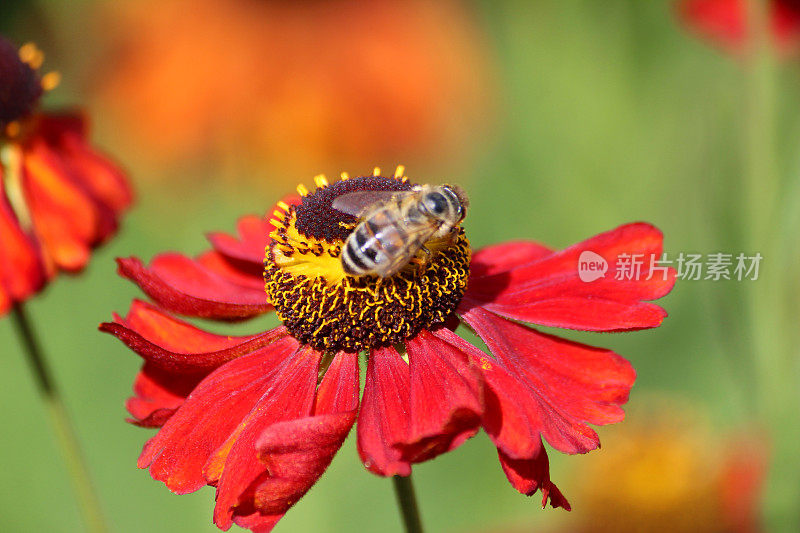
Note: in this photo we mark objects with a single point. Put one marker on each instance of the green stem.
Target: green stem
(66, 438)
(407, 502)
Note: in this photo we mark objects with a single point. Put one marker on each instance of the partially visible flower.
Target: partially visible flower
(260, 416)
(296, 85)
(59, 197)
(670, 474)
(726, 23)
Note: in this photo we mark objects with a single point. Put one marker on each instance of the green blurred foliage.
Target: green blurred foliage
(608, 112)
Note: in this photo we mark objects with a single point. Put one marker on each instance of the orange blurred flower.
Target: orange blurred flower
(666, 473)
(59, 197)
(299, 85)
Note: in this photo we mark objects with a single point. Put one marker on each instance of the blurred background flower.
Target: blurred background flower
(295, 87)
(667, 469)
(727, 23)
(59, 196)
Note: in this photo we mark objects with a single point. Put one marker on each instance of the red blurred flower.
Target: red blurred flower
(725, 23)
(260, 416)
(59, 197)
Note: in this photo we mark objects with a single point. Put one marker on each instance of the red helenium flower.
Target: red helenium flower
(260, 416)
(726, 23)
(59, 197)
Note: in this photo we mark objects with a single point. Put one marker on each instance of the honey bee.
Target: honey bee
(394, 225)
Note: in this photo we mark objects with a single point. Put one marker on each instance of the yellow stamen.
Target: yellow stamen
(13, 129)
(344, 176)
(399, 171)
(51, 80)
(301, 190)
(283, 205)
(30, 54)
(376, 171)
(320, 180)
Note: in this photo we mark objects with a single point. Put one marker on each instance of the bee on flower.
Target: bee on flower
(260, 417)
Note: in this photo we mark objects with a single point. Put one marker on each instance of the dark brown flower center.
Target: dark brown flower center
(322, 306)
(20, 85)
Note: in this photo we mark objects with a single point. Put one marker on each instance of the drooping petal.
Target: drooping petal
(530, 475)
(210, 414)
(158, 393)
(184, 286)
(512, 419)
(235, 465)
(446, 398)
(64, 218)
(384, 416)
(21, 271)
(572, 383)
(68, 133)
(297, 452)
(550, 292)
(178, 346)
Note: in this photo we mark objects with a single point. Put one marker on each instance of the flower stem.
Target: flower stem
(88, 501)
(407, 502)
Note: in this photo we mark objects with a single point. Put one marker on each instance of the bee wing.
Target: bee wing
(356, 202)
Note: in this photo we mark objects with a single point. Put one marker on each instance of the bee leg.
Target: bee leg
(422, 262)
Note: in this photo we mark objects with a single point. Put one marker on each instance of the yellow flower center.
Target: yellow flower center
(322, 306)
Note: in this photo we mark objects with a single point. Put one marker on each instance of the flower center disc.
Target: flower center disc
(322, 306)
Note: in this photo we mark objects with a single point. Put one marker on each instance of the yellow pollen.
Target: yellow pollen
(399, 171)
(31, 55)
(51, 80)
(376, 171)
(320, 180)
(283, 205)
(344, 176)
(301, 190)
(13, 129)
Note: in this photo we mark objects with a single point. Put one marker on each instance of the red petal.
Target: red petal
(158, 394)
(64, 218)
(296, 453)
(21, 271)
(104, 179)
(530, 475)
(384, 416)
(5, 301)
(512, 420)
(250, 246)
(512, 417)
(178, 346)
(446, 401)
(504, 257)
(339, 389)
(184, 286)
(236, 465)
(572, 383)
(256, 522)
(548, 291)
(244, 274)
(178, 452)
